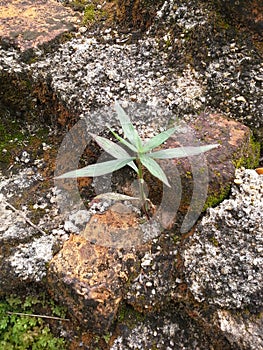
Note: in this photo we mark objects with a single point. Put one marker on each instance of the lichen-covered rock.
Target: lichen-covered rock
(90, 280)
(170, 329)
(223, 258)
(25, 248)
(242, 330)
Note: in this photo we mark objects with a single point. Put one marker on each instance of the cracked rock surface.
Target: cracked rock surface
(223, 258)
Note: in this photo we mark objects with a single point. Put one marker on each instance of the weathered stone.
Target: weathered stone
(214, 171)
(90, 280)
(25, 248)
(118, 227)
(243, 331)
(31, 23)
(222, 261)
(137, 14)
(248, 12)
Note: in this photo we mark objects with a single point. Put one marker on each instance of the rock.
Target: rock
(137, 14)
(223, 258)
(25, 248)
(117, 227)
(242, 330)
(31, 24)
(169, 329)
(249, 13)
(203, 181)
(91, 280)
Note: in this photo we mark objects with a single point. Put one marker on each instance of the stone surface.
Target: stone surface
(25, 248)
(31, 23)
(213, 171)
(250, 13)
(243, 331)
(191, 60)
(226, 249)
(118, 227)
(90, 280)
(223, 258)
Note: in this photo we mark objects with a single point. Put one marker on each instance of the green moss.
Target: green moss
(22, 332)
(216, 198)
(10, 135)
(92, 14)
(251, 159)
(14, 139)
(214, 241)
(128, 316)
(89, 14)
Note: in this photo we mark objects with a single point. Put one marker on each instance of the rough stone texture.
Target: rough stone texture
(137, 14)
(243, 331)
(190, 60)
(90, 279)
(248, 12)
(226, 249)
(31, 23)
(169, 330)
(215, 169)
(223, 258)
(25, 250)
(118, 227)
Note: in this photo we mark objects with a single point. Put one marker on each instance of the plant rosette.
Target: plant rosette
(131, 150)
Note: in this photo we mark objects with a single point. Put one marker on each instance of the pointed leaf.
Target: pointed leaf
(154, 168)
(158, 139)
(115, 196)
(97, 169)
(124, 142)
(129, 130)
(113, 149)
(181, 152)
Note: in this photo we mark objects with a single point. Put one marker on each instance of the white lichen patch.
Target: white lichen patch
(29, 259)
(223, 259)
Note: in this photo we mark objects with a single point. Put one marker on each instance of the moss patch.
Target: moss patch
(251, 159)
(129, 316)
(19, 331)
(14, 139)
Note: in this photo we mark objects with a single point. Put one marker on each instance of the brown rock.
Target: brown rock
(248, 12)
(118, 227)
(202, 181)
(31, 23)
(137, 14)
(90, 280)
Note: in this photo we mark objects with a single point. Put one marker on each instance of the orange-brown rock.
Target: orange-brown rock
(118, 227)
(215, 169)
(28, 24)
(90, 280)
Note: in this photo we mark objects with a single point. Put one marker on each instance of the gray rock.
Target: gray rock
(224, 256)
(223, 262)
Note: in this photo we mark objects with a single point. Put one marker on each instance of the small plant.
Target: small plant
(141, 156)
(21, 329)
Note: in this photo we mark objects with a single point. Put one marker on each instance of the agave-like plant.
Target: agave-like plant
(142, 155)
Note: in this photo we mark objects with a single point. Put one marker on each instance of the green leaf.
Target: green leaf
(154, 168)
(124, 142)
(113, 149)
(158, 140)
(181, 152)
(97, 169)
(115, 196)
(129, 130)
